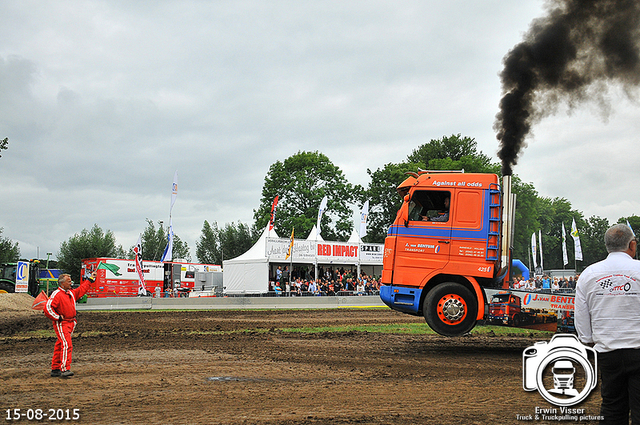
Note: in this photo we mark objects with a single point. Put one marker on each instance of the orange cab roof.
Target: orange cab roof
(444, 180)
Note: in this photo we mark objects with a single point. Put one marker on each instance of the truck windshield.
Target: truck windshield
(500, 298)
(428, 203)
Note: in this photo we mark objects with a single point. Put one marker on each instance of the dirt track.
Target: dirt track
(236, 367)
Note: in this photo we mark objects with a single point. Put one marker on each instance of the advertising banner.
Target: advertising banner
(303, 250)
(309, 251)
(371, 253)
(533, 310)
(22, 277)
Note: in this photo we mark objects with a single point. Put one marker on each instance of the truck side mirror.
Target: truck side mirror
(404, 211)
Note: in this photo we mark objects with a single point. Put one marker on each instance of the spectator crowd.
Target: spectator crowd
(546, 284)
(331, 281)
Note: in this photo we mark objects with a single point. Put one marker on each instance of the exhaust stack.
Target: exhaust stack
(508, 218)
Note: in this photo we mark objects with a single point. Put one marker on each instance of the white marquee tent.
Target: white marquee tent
(249, 273)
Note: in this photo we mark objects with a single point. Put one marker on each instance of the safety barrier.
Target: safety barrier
(230, 303)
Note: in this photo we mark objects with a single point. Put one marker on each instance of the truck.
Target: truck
(506, 308)
(449, 242)
(119, 278)
(37, 275)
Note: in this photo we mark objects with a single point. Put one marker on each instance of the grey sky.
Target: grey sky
(102, 101)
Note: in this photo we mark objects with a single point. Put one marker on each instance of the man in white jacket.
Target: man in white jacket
(607, 316)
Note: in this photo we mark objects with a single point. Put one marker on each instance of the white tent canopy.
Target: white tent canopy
(249, 273)
(313, 235)
(354, 238)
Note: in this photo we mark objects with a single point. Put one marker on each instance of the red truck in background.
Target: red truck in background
(450, 240)
(120, 279)
(506, 308)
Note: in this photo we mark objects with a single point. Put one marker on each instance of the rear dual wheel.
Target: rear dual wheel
(450, 309)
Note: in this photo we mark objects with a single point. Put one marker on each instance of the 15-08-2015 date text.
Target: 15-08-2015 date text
(42, 414)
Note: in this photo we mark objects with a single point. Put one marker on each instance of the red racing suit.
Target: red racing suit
(61, 309)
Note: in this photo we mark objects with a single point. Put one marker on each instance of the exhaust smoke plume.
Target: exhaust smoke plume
(570, 55)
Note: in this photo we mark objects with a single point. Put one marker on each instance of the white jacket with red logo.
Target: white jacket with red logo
(62, 304)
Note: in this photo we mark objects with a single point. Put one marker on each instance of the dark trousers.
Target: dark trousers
(620, 374)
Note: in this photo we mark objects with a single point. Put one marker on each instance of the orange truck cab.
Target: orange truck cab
(444, 247)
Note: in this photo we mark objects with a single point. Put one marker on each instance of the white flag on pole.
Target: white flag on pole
(167, 255)
(364, 214)
(540, 242)
(323, 206)
(565, 256)
(534, 250)
(174, 191)
(576, 240)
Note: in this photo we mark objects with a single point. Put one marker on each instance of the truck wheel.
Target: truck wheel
(516, 320)
(450, 309)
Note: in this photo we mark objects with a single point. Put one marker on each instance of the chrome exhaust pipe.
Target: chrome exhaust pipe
(508, 218)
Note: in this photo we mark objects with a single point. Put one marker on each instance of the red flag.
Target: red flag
(40, 301)
(273, 212)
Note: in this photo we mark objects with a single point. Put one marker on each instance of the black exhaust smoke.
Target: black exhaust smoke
(570, 55)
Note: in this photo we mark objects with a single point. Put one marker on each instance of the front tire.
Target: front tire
(450, 309)
(516, 320)
(6, 288)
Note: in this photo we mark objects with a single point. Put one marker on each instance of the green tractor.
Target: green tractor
(36, 281)
(8, 277)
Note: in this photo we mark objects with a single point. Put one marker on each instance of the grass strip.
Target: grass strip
(420, 329)
(394, 328)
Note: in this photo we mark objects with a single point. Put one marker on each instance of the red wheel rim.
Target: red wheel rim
(452, 309)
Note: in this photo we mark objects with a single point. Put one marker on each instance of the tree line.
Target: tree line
(303, 179)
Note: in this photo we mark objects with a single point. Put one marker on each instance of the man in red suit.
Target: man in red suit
(61, 309)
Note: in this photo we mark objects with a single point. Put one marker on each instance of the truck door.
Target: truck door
(471, 238)
(423, 246)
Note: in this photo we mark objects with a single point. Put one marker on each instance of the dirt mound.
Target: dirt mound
(16, 306)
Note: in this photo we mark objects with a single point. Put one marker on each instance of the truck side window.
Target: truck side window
(430, 205)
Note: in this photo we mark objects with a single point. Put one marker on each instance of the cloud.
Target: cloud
(103, 101)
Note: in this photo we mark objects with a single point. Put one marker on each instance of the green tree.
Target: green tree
(154, 241)
(448, 153)
(216, 245)
(526, 218)
(235, 240)
(300, 182)
(592, 240)
(208, 246)
(453, 153)
(553, 213)
(384, 200)
(9, 250)
(633, 221)
(92, 243)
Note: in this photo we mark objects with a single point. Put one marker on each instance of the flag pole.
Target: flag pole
(290, 266)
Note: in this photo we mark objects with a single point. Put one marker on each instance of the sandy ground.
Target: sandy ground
(247, 367)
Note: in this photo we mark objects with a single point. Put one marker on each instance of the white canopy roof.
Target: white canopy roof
(314, 235)
(249, 272)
